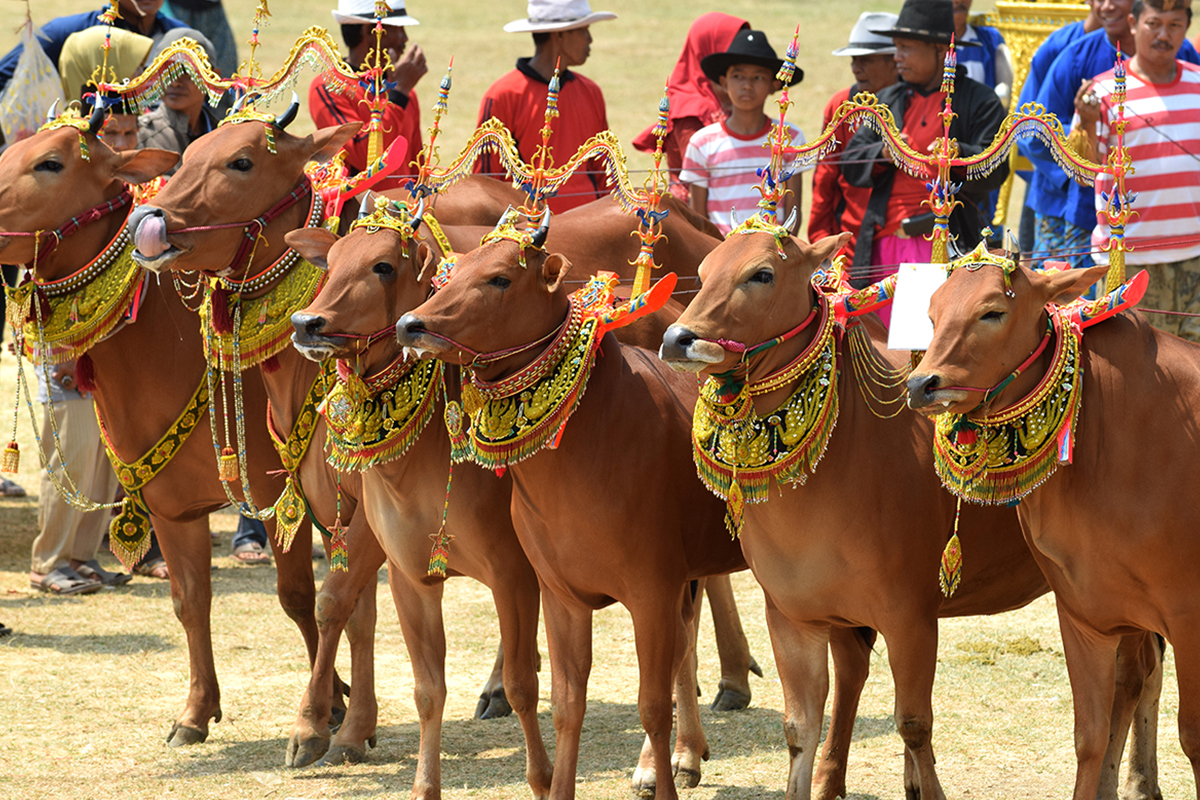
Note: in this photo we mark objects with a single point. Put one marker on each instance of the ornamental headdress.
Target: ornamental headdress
(393, 216)
(981, 257)
(71, 118)
(506, 229)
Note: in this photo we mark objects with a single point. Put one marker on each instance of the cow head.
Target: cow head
(374, 277)
(984, 327)
(750, 294)
(233, 174)
(502, 295)
(45, 180)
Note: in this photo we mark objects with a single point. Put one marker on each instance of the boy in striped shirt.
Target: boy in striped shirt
(1162, 137)
(722, 160)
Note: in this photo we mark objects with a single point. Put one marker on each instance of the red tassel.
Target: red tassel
(270, 365)
(221, 321)
(85, 373)
(500, 471)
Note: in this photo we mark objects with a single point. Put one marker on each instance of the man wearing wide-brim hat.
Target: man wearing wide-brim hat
(896, 225)
(402, 114)
(836, 205)
(561, 37)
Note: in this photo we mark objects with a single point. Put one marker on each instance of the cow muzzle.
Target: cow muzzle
(148, 227)
(925, 396)
(310, 339)
(684, 351)
(415, 338)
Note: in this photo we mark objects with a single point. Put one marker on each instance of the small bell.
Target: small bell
(10, 462)
(227, 468)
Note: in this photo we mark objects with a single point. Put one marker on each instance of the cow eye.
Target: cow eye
(49, 165)
(763, 276)
(500, 282)
(241, 165)
(992, 316)
(383, 268)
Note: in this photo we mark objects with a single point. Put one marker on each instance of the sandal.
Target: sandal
(93, 571)
(11, 488)
(251, 553)
(4, 629)
(64, 581)
(152, 568)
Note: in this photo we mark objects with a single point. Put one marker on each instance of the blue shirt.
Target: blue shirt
(989, 40)
(1039, 65)
(1082, 60)
(56, 31)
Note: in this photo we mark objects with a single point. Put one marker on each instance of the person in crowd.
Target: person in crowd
(139, 16)
(402, 114)
(208, 17)
(1066, 212)
(989, 63)
(722, 160)
(250, 541)
(1162, 136)
(836, 205)
(562, 40)
(64, 552)
(1039, 65)
(895, 223)
(184, 115)
(82, 55)
(695, 100)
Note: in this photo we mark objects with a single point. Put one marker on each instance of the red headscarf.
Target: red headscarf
(688, 90)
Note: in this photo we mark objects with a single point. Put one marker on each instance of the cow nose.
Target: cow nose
(676, 341)
(919, 387)
(307, 325)
(148, 226)
(408, 328)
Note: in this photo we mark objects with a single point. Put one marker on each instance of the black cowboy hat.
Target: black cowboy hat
(926, 21)
(747, 47)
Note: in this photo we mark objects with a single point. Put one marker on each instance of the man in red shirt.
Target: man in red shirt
(518, 99)
(836, 205)
(401, 116)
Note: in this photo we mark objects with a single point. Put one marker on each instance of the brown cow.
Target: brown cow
(614, 514)
(475, 200)
(1114, 531)
(145, 374)
(824, 562)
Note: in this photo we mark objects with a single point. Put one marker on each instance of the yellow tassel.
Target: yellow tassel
(735, 509)
(11, 460)
(439, 556)
(227, 468)
(950, 571)
(339, 558)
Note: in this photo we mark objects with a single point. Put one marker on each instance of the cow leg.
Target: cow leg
(801, 657)
(1136, 659)
(420, 609)
(691, 747)
(851, 649)
(912, 655)
(733, 690)
(358, 585)
(569, 639)
(1141, 779)
(187, 549)
(517, 609)
(1187, 667)
(1091, 666)
(295, 585)
(662, 645)
(492, 701)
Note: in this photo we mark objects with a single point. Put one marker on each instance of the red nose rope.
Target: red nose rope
(750, 352)
(482, 359)
(72, 225)
(990, 394)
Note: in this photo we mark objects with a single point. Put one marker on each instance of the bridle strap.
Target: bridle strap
(483, 359)
(748, 352)
(71, 226)
(991, 394)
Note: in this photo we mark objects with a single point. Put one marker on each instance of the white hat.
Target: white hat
(557, 15)
(362, 12)
(865, 43)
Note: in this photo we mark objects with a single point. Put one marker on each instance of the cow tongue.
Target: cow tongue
(151, 237)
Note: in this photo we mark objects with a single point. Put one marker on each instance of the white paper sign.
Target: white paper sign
(915, 284)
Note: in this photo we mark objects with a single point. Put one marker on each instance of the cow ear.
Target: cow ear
(312, 244)
(322, 145)
(425, 264)
(139, 166)
(554, 268)
(1061, 288)
(825, 248)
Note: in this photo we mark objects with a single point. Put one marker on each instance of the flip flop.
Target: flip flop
(64, 581)
(93, 571)
(153, 568)
(251, 553)
(4, 629)
(11, 488)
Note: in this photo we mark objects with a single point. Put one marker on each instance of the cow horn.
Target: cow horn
(503, 218)
(362, 209)
(733, 223)
(289, 116)
(415, 221)
(52, 114)
(539, 236)
(239, 102)
(791, 219)
(96, 121)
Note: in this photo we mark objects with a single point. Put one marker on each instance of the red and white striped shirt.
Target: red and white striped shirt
(727, 165)
(1162, 137)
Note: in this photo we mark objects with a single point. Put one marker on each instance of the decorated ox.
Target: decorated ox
(474, 200)
(611, 511)
(379, 415)
(787, 364)
(1021, 385)
(64, 196)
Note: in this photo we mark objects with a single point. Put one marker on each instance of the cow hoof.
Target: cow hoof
(645, 783)
(755, 668)
(184, 735)
(345, 754)
(687, 778)
(336, 717)
(496, 706)
(730, 700)
(304, 753)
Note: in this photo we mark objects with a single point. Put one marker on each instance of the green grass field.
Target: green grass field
(92, 684)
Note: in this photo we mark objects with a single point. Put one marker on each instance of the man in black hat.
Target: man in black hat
(895, 224)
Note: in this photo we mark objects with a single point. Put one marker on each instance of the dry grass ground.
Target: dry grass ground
(90, 685)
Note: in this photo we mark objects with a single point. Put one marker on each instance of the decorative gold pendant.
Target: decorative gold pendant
(129, 533)
(289, 513)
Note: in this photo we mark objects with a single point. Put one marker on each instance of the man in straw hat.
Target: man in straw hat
(836, 205)
(561, 39)
(895, 223)
(402, 116)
